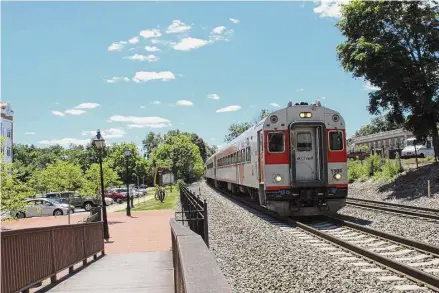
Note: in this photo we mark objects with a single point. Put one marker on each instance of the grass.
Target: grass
(374, 167)
(153, 204)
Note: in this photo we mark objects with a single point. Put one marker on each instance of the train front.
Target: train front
(304, 161)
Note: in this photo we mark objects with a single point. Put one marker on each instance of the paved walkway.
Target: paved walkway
(139, 257)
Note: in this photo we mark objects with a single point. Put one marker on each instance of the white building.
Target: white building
(7, 131)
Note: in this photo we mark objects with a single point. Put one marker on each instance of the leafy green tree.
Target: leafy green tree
(151, 142)
(58, 176)
(236, 129)
(13, 191)
(116, 161)
(181, 156)
(394, 45)
(92, 185)
(377, 125)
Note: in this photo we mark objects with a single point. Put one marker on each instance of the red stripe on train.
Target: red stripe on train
(277, 158)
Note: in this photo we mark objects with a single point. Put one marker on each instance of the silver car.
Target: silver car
(40, 207)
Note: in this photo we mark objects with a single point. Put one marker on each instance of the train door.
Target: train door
(305, 153)
(261, 155)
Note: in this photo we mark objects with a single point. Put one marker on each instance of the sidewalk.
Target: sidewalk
(138, 257)
(120, 207)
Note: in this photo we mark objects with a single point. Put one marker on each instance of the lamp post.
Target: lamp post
(127, 157)
(99, 144)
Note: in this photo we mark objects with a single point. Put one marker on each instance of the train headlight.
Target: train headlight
(337, 176)
(277, 178)
(305, 115)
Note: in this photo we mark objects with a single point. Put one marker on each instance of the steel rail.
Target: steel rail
(402, 209)
(410, 273)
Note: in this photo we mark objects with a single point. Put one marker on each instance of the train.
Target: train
(293, 162)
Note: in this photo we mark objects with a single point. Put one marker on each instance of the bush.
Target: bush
(373, 167)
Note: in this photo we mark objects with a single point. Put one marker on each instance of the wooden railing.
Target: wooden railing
(29, 256)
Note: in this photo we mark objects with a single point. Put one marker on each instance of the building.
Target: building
(7, 131)
(381, 143)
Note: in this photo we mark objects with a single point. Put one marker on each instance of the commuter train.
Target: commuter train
(293, 162)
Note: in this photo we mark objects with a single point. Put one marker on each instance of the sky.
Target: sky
(69, 68)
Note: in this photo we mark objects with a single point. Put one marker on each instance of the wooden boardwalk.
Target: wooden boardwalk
(150, 272)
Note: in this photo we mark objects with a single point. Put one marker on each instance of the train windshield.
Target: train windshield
(276, 142)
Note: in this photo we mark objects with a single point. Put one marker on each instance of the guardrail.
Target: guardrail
(194, 212)
(29, 256)
(195, 269)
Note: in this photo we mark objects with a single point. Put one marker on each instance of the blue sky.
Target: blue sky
(129, 68)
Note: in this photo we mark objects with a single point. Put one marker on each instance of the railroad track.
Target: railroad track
(420, 212)
(391, 257)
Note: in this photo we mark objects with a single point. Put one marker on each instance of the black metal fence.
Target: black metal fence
(194, 213)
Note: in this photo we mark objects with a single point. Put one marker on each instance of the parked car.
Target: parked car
(118, 197)
(78, 201)
(109, 201)
(133, 191)
(38, 207)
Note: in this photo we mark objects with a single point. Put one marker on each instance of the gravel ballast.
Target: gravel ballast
(257, 256)
(422, 230)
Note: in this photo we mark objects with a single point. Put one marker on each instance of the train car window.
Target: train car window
(235, 158)
(242, 155)
(276, 142)
(304, 141)
(247, 154)
(335, 140)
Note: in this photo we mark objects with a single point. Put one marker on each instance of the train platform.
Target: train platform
(138, 258)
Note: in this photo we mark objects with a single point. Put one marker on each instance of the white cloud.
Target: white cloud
(184, 103)
(65, 142)
(155, 102)
(329, 8)
(153, 33)
(274, 105)
(369, 87)
(219, 29)
(133, 40)
(177, 26)
(106, 133)
(252, 106)
(152, 49)
(300, 90)
(221, 34)
(142, 107)
(30, 133)
(189, 43)
(144, 76)
(154, 41)
(75, 112)
(116, 47)
(235, 21)
(213, 97)
(232, 108)
(118, 78)
(141, 122)
(87, 106)
(141, 58)
(212, 138)
(58, 113)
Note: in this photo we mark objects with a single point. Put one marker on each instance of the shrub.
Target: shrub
(374, 167)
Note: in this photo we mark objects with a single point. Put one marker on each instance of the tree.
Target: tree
(264, 113)
(116, 161)
(13, 191)
(377, 125)
(236, 129)
(181, 156)
(394, 45)
(58, 176)
(93, 178)
(151, 142)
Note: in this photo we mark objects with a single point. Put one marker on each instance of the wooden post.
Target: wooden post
(428, 188)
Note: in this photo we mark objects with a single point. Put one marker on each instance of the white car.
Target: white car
(109, 201)
(39, 207)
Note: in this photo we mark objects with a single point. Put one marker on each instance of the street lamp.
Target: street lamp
(99, 144)
(127, 157)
